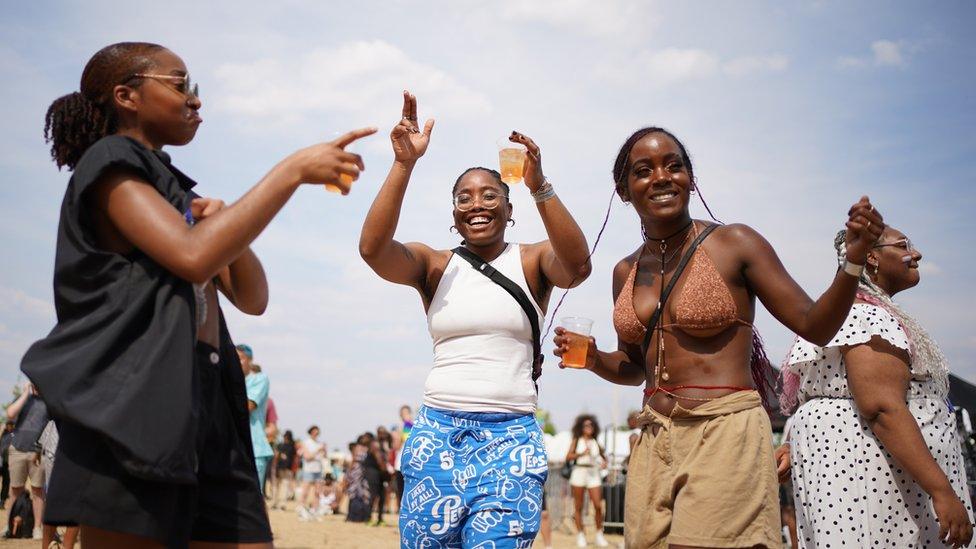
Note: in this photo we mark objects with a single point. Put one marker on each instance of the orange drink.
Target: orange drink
(511, 160)
(345, 178)
(578, 333)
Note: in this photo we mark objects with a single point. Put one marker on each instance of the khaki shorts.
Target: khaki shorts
(706, 479)
(23, 466)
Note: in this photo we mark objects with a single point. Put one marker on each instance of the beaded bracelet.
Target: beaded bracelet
(544, 193)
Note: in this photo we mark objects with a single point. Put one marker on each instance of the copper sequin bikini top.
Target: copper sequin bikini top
(702, 306)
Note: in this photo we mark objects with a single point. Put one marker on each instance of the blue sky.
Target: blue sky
(791, 111)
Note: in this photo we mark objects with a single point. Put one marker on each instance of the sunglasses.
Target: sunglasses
(904, 244)
(184, 85)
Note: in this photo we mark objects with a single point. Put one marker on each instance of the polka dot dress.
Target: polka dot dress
(848, 490)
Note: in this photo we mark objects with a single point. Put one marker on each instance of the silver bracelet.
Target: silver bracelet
(544, 193)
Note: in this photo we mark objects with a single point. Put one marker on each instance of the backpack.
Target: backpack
(20, 523)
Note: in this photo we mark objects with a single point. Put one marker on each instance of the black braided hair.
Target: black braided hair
(76, 121)
(497, 176)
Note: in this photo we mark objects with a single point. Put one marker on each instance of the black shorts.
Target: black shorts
(88, 485)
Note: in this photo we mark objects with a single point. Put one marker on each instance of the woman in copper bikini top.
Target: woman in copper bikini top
(703, 307)
(706, 338)
(705, 433)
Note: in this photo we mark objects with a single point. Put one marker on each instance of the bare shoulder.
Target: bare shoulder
(737, 234)
(534, 249)
(434, 259)
(622, 267)
(743, 239)
(532, 254)
(622, 270)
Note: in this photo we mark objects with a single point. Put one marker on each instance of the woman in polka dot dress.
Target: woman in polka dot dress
(876, 460)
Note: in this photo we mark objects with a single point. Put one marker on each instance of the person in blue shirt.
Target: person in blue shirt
(258, 387)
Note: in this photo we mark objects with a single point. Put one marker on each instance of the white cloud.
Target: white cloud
(661, 68)
(16, 302)
(606, 18)
(887, 54)
(674, 65)
(884, 53)
(741, 66)
(356, 78)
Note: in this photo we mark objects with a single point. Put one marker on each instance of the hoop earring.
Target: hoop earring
(511, 222)
(454, 229)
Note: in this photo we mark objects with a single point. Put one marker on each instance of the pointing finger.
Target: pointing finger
(347, 138)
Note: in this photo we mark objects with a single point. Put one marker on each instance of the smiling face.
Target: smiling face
(161, 108)
(896, 262)
(478, 221)
(658, 181)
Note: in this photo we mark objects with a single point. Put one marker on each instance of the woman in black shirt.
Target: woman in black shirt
(140, 370)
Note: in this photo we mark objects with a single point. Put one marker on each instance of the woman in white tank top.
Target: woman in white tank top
(474, 465)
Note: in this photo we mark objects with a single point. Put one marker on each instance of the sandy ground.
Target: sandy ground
(334, 532)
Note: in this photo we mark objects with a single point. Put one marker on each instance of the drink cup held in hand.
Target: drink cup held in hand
(578, 333)
(344, 177)
(511, 160)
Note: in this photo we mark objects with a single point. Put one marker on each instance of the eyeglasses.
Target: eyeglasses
(465, 202)
(185, 85)
(904, 244)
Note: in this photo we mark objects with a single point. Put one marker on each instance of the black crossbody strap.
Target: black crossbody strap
(516, 292)
(656, 316)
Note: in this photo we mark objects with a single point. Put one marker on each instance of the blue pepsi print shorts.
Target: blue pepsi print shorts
(472, 480)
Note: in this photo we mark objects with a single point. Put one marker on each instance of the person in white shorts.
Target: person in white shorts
(589, 460)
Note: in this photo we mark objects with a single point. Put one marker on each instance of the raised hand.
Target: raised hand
(409, 143)
(327, 162)
(864, 228)
(532, 171)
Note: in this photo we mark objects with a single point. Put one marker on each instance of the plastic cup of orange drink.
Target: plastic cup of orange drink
(344, 177)
(511, 160)
(578, 333)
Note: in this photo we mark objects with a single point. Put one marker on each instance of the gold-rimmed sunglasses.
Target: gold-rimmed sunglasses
(184, 85)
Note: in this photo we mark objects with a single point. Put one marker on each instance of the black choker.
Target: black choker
(676, 233)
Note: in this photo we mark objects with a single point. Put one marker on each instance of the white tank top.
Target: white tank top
(482, 340)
